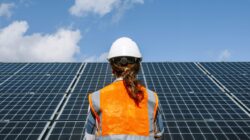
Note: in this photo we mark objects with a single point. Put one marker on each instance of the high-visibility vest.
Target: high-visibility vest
(118, 116)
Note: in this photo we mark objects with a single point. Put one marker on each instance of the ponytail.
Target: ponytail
(132, 85)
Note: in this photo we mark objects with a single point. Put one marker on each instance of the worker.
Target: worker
(124, 109)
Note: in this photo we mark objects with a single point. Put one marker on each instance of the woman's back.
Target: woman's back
(119, 114)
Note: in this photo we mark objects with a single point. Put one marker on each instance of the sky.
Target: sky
(84, 30)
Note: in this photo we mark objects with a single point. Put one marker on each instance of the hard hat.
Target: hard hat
(124, 46)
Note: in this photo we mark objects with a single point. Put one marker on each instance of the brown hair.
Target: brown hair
(129, 72)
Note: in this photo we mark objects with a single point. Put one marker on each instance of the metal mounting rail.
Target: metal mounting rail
(62, 104)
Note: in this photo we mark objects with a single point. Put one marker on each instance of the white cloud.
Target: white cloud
(102, 7)
(123, 7)
(100, 58)
(5, 9)
(15, 45)
(224, 55)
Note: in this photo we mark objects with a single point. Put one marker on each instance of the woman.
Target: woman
(125, 109)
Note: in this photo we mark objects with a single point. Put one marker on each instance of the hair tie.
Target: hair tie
(126, 68)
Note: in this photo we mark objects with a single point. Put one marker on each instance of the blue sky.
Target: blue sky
(165, 30)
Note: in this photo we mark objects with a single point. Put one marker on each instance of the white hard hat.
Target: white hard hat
(124, 46)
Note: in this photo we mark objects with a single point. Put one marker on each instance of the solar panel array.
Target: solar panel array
(205, 100)
(194, 106)
(30, 95)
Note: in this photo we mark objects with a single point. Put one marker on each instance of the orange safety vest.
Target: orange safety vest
(119, 117)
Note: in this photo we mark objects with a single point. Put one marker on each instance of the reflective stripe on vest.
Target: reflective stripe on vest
(151, 106)
(117, 113)
(94, 102)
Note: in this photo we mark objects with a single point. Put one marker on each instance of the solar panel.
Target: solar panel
(10, 68)
(171, 68)
(37, 84)
(50, 68)
(227, 67)
(97, 69)
(207, 130)
(181, 83)
(27, 107)
(75, 109)
(200, 106)
(235, 83)
(69, 130)
(20, 130)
